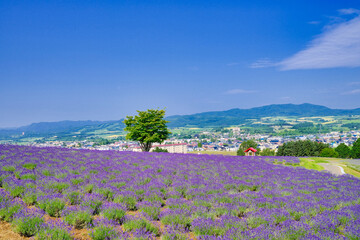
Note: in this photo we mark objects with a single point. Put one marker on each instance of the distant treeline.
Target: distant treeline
(301, 148)
(316, 149)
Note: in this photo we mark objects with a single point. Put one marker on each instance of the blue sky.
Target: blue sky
(103, 60)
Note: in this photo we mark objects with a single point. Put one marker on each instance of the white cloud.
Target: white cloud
(337, 46)
(354, 91)
(263, 63)
(354, 83)
(314, 22)
(239, 91)
(348, 11)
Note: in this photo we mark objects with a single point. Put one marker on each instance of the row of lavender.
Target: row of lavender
(126, 195)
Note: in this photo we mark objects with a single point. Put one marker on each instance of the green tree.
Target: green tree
(329, 152)
(343, 150)
(355, 151)
(267, 152)
(301, 148)
(245, 145)
(157, 149)
(147, 128)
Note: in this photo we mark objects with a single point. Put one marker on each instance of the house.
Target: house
(250, 152)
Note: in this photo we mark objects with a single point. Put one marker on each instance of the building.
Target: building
(250, 152)
(171, 148)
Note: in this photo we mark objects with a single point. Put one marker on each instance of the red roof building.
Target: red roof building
(250, 152)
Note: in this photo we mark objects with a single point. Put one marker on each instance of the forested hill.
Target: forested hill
(206, 119)
(238, 116)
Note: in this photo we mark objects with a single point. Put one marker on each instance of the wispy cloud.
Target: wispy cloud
(239, 91)
(354, 83)
(314, 22)
(337, 46)
(354, 91)
(285, 98)
(349, 11)
(263, 63)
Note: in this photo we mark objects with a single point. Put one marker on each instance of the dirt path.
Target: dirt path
(333, 168)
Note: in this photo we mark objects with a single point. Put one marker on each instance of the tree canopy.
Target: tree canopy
(301, 148)
(245, 145)
(355, 151)
(147, 128)
(343, 150)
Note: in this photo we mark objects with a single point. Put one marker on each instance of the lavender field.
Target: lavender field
(53, 193)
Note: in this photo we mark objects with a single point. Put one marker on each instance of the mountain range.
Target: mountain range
(206, 119)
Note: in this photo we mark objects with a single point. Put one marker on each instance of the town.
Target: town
(210, 141)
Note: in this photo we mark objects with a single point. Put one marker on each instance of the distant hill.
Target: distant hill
(206, 119)
(238, 116)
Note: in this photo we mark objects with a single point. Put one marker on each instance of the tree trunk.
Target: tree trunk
(145, 147)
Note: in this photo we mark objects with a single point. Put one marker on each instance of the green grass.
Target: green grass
(310, 164)
(351, 171)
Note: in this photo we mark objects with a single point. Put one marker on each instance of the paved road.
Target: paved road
(334, 169)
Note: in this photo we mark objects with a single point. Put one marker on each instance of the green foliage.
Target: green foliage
(30, 198)
(58, 187)
(106, 192)
(174, 236)
(157, 149)
(267, 152)
(103, 232)
(74, 198)
(28, 226)
(53, 206)
(308, 164)
(153, 212)
(8, 168)
(147, 128)
(16, 191)
(114, 214)
(329, 152)
(245, 145)
(141, 224)
(7, 213)
(177, 219)
(79, 219)
(29, 166)
(129, 201)
(301, 148)
(355, 151)
(53, 234)
(343, 150)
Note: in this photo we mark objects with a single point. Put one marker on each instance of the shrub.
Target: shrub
(141, 224)
(52, 206)
(114, 214)
(129, 201)
(29, 166)
(103, 232)
(106, 192)
(8, 168)
(157, 149)
(53, 234)
(30, 198)
(74, 198)
(94, 201)
(28, 226)
(7, 213)
(79, 219)
(177, 219)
